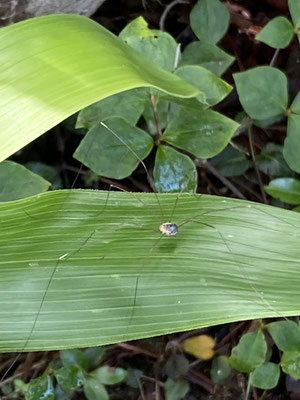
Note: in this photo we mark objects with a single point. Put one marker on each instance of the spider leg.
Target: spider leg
(136, 285)
(238, 263)
(42, 301)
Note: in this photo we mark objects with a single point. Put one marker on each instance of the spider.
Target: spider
(193, 263)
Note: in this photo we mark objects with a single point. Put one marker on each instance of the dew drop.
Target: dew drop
(33, 264)
(203, 282)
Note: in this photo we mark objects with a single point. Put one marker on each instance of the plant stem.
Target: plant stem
(225, 181)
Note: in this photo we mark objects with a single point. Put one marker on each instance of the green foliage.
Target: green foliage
(74, 374)
(17, 182)
(261, 98)
(128, 105)
(277, 33)
(285, 189)
(294, 8)
(220, 369)
(271, 161)
(109, 376)
(40, 388)
(258, 95)
(290, 363)
(115, 151)
(96, 244)
(74, 63)
(286, 335)
(178, 129)
(69, 378)
(213, 87)
(176, 389)
(174, 171)
(291, 144)
(266, 376)
(74, 377)
(69, 357)
(208, 56)
(252, 354)
(114, 155)
(210, 20)
(157, 46)
(203, 134)
(231, 162)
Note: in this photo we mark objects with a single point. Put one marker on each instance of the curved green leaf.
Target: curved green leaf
(266, 376)
(206, 55)
(174, 171)
(270, 161)
(295, 106)
(250, 352)
(17, 182)
(70, 261)
(156, 45)
(231, 162)
(290, 363)
(203, 134)
(214, 88)
(114, 155)
(53, 66)
(277, 33)
(291, 146)
(128, 105)
(210, 20)
(286, 335)
(294, 8)
(260, 98)
(285, 189)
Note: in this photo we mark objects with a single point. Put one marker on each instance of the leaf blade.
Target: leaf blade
(190, 280)
(53, 66)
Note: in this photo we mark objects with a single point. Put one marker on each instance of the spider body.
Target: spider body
(168, 229)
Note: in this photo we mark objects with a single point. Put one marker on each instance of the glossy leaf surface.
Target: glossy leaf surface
(285, 189)
(174, 171)
(203, 134)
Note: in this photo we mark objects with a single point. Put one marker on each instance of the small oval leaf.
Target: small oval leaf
(260, 98)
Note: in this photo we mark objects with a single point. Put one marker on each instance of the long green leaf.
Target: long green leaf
(53, 66)
(81, 268)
